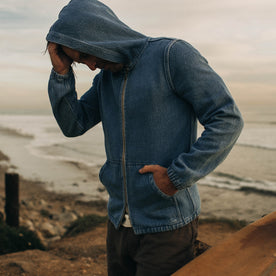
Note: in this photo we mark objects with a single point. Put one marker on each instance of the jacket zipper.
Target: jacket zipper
(124, 142)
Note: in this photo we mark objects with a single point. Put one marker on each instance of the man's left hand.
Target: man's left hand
(161, 178)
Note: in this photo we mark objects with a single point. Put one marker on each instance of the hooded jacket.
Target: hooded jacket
(149, 113)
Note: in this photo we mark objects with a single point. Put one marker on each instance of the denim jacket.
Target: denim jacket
(149, 113)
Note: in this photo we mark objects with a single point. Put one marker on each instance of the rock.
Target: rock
(45, 213)
(29, 204)
(33, 216)
(68, 217)
(60, 229)
(28, 224)
(53, 239)
(79, 214)
(66, 208)
(41, 238)
(23, 266)
(48, 230)
(42, 203)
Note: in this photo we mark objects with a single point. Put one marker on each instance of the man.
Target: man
(148, 96)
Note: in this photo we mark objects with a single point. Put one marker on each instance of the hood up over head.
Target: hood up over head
(90, 27)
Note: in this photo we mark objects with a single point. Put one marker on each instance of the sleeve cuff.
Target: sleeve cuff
(177, 182)
(60, 77)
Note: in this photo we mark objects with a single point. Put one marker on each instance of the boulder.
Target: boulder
(48, 230)
(67, 217)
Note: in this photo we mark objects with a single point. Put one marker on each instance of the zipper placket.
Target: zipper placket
(124, 140)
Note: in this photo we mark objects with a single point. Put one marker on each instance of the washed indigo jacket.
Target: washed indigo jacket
(149, 113)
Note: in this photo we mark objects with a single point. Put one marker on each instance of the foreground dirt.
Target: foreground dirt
(84, 254)
(81, 255)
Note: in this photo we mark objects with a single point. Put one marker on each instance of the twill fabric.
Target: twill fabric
(149, 113)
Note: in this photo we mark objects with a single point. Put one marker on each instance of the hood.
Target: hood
(91, 27)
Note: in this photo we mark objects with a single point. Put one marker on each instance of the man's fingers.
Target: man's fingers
(148, 169)
(53, 52)
(60, 61)
(52, 48)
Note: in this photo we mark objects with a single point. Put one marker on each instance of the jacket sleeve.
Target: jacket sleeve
(73, 116)
(194, 81)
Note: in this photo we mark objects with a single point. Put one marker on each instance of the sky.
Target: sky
(238, 38)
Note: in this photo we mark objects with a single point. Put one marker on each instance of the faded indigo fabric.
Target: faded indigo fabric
(149, 114)
(91, 27)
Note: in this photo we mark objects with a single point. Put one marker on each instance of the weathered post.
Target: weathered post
(12, 199)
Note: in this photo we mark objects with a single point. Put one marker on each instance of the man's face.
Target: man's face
(91, 61)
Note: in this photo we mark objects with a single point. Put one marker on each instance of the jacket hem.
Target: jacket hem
(163, 228)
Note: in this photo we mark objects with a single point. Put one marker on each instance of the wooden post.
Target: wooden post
(12, 199)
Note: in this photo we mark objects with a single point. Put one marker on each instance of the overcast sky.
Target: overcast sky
(238, 38)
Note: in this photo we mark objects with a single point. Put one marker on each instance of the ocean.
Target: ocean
(38, 151)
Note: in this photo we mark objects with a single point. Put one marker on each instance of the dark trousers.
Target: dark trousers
(157, 254)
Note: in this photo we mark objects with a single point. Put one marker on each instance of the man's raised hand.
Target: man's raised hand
(60, 61)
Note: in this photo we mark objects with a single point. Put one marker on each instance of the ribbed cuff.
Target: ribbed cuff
(177, 182)
(60, 77)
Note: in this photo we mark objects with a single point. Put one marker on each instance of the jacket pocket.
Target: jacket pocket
(156, 188)
(111, 177)
(148, 205)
